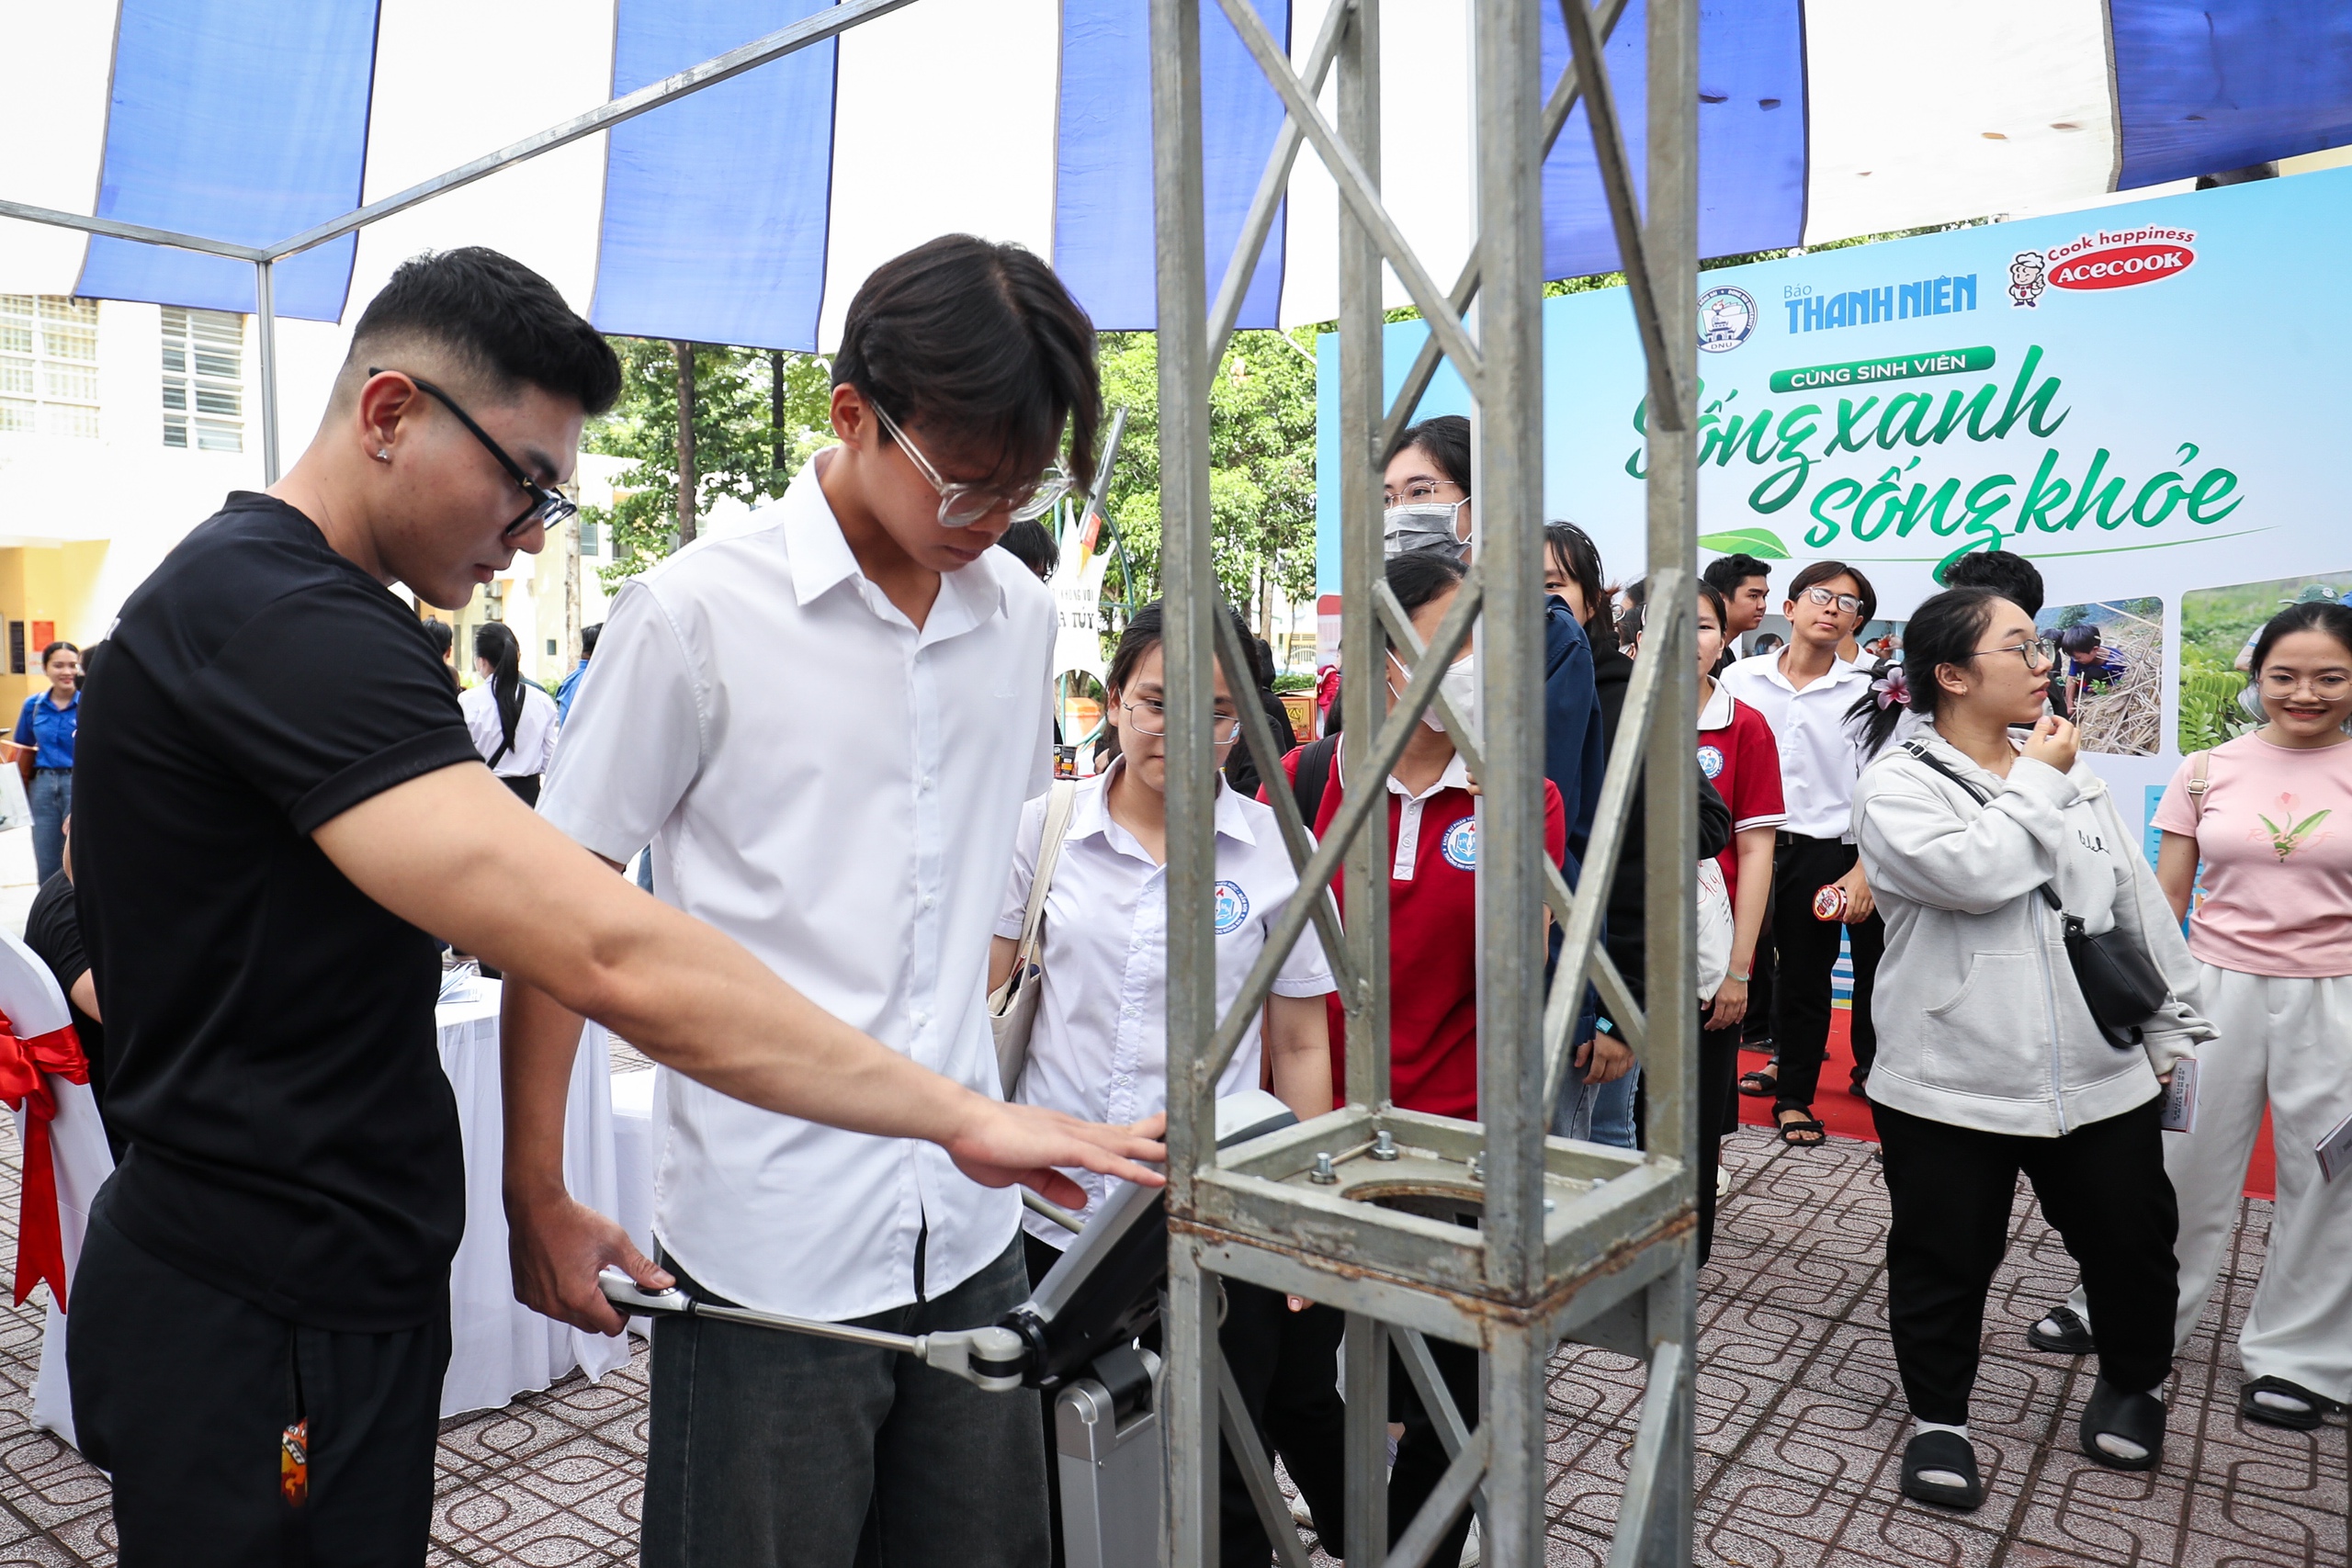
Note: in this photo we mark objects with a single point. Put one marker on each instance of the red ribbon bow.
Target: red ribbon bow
(25, 1064)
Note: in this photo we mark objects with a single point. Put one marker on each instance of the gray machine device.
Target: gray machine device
(1074, 1338)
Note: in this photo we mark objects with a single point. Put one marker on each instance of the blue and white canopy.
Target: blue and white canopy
(750, 212)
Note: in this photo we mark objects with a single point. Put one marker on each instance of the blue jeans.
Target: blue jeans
(1598, 1112)
(52, 799)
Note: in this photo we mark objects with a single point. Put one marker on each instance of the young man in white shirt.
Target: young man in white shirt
(1806, 692)
(827, 729)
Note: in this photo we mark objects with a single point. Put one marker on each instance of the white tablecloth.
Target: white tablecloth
(498, 1347)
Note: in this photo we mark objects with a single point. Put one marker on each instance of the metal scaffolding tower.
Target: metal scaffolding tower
(1364, 1209)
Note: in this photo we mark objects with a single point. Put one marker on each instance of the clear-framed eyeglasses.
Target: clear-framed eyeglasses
(2038, 653)
(1418, 491)
(1846, 602)
(1151, 718)
(2328, 686)
(961, 505)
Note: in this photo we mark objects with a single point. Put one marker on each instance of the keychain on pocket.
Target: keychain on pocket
(1830, 902)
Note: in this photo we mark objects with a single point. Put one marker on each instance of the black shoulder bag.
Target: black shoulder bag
(2119, 982)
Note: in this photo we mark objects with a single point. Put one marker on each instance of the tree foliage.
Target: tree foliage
(1261, 467)
(739, 451)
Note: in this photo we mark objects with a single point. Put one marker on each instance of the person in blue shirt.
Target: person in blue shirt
(44, 742)
(570, 684)
(2087, 657)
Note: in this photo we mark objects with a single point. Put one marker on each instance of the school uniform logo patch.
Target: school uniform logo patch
(1232, 908)
(1460, 845)
(1711, 761)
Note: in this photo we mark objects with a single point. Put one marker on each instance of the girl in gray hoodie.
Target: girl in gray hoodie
(1990, 1061)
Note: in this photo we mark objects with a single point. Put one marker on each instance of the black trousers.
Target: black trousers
(2102, 1188)
(1718, 1114)
(1755, 1029)
(185, 1392)
(1287, 1364)
(525, 785)
(1420, 1452)
(1808, 954)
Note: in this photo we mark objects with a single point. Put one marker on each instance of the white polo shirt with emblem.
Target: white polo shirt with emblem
(1099, 1048)
(837, 790)
(1820, 754)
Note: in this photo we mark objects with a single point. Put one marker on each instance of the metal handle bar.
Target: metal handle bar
(988, 1357)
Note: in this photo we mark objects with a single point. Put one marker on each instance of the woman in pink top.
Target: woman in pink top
(2273, 935)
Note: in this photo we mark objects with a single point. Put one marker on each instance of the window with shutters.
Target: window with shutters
(49, 365)
(204, 387)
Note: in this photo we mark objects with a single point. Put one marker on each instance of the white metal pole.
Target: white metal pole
(265, 333)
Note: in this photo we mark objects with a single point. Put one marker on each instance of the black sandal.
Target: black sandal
(1762, 1083)
(2136, 1418)
(1805, 1123)
(2062, 1333)
(2315, 1407)
(1942, 1451)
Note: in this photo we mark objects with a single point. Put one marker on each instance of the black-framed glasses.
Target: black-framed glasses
(1151, 718)
(548, 507)
(961, 505)
(2039, 652)
(1846, 602)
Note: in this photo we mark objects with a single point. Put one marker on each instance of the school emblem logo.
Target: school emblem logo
(1232, 908)
(1460, 845)
(1726, 315)
(1711, 761)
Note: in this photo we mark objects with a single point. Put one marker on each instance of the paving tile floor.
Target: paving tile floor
(1800, 1422)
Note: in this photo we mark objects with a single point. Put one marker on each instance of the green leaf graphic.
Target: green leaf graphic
(1762, 543)
(2308, 823)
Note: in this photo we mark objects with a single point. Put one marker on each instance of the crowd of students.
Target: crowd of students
(845, 870)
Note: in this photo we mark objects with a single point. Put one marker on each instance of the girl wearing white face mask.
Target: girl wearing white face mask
(1432, 962)
(1425, 488)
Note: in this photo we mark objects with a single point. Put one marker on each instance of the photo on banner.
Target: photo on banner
(2219, 627)
(2111, 660)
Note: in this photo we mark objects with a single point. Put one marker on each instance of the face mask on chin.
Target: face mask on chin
(1460, 684)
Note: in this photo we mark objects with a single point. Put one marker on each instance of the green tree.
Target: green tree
(1261, 467)
(757, 415)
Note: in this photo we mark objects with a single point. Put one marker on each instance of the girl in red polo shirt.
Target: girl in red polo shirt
(1432, 964)
(1739, 755)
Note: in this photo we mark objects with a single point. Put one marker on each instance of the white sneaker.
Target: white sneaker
(1722, 1181)
(1470, 1547)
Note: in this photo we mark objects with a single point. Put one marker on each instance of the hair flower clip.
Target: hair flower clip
(1892, 688)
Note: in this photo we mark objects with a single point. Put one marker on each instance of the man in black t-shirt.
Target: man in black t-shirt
(276, 788)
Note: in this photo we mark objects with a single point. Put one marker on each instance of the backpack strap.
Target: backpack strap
(1313, 776)
(2201, 767)
(1059, 802)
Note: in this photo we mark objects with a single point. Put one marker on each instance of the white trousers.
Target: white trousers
(2289, 1042)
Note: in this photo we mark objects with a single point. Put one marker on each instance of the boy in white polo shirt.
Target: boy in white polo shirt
(827, 729)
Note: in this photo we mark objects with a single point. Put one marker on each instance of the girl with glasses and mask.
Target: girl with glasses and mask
(1098, 1044)
(2254, 835)
(1990, 1060)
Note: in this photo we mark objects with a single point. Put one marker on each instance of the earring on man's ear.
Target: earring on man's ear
(383, 454)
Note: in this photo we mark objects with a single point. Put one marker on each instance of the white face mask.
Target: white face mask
(1423, 526)
(1460, 684)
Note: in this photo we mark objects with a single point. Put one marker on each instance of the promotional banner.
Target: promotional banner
(2141, 399)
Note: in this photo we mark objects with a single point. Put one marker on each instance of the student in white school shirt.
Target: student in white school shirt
(1099, 1047)
(1806, 692)
(827, 728)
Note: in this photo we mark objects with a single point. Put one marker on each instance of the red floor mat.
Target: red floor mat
(1846, 1115)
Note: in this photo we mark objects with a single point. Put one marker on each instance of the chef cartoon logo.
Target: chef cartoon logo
(1460, 845)
(2026, 280)
(1232, 908)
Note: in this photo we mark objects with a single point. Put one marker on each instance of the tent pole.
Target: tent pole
(266, 331)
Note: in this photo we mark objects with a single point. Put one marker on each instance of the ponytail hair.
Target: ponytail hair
(494, 642)
(1941, 631)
